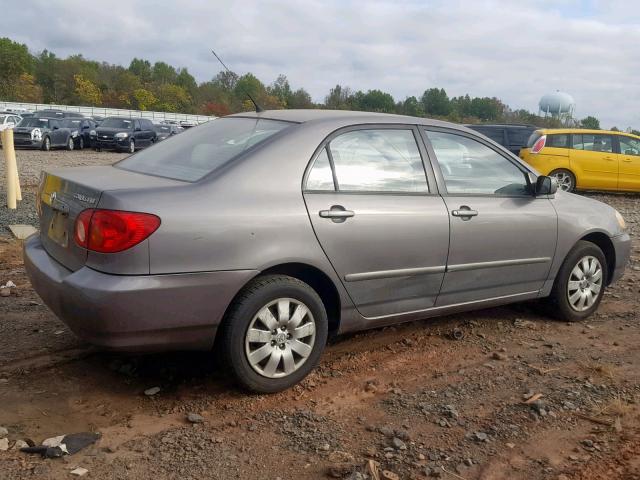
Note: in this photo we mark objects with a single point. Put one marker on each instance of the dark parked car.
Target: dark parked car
(165, 130)
(80, 130)
(260, 233)
(42, 132)
(512, 137)
(124, 134)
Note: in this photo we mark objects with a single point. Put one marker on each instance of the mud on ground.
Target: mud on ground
(410, 397)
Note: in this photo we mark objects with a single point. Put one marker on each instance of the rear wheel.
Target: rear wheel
(580, 283)
(81, 143)
(274, 333)
(566, 179)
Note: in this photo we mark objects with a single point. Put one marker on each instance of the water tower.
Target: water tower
(557, 105)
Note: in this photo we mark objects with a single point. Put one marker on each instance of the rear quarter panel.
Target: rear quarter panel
(547, 160)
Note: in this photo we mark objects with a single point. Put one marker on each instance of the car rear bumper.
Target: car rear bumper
(622, 247)
(134, 312)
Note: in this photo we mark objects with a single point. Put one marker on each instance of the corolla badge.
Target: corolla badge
(84, 198)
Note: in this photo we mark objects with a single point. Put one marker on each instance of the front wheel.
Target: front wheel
(46, 144)
(70, 144)
(580, 283)
(274, 333)
(566, 179)
(132, 146)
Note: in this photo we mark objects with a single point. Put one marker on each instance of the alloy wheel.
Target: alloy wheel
(585, 283)
(132, 147)
(280, 338)
(565, 181)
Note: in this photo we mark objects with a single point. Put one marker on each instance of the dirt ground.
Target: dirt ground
(411, 398)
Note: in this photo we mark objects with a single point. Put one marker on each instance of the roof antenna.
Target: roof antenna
(255, 104)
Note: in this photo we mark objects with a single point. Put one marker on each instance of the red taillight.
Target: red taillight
(539, 145)
(110, 231)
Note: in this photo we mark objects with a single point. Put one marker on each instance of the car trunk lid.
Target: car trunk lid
(64, 193)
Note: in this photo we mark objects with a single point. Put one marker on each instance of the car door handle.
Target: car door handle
(337, 213)
(464, 212)
(609, 158)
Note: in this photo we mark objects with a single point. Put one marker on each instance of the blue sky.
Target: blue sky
(514, 50)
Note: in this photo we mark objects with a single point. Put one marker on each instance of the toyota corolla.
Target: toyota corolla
(263, 233)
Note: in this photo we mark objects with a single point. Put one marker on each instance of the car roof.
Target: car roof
(551, 131)
(500, 125)
(343, 117)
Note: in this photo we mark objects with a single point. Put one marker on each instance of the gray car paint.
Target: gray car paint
(251, 216)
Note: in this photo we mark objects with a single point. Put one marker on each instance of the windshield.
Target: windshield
(201, 150)
(34, 122)
(115, 122)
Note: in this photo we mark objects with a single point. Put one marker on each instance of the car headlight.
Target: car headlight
(621, 223)
(92, 133)
(121, 135)
(36, 134)
(74, 133)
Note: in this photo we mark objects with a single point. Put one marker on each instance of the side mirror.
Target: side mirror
(55, 127)
(137, 129)
(546, 185)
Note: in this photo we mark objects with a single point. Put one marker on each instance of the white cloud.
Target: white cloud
(513, 50)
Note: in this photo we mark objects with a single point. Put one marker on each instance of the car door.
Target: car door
(629, 161)
(593, 161)
(378, 219)
(58, 134)
(138, 134)
(503, 239)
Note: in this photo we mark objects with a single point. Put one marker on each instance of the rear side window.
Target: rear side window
(321, 175)
(557, 141)
(629, 145)
(593, 143)
(384, 160)
(201, 150)
(533, 138)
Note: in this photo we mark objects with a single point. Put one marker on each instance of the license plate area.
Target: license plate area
(58, 229)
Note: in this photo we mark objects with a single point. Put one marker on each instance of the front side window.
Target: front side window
(593, 143)
(470, 167)
(383, 160)
(629, 146)
(201, 150)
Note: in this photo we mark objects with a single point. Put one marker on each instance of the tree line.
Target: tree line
(45, 78)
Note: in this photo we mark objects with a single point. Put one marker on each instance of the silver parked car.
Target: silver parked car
(265, 232)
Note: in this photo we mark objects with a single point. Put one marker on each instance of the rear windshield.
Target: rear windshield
(117, 123)
(34, 122)
(200, 150)
(533, 138)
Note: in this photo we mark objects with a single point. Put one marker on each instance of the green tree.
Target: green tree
(163, 73)
(300, 99)
(339, 98)
(374, 101)
(15, 60)
(186, 81)
(590, 122)
(435, 101)
(226, 80)
(172, 98)
(411, 106)
(142, 69)
(281, 90)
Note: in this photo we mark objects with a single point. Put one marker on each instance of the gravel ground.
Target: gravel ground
(30, 164)
(519, 397)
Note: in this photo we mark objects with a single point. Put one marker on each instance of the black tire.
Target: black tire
(559, 301)
(81, 144)
(256, 295)
(70, 144)
(46, 144)
(566, 179)
(132, 146)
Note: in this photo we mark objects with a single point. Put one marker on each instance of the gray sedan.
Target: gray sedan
(263, 233)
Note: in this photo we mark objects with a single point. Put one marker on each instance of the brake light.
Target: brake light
(539, 145)
(111, 231)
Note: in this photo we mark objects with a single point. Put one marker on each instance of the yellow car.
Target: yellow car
(586, 159)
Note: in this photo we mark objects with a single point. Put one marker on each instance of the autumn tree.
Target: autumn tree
(86, 91)
(27, 90)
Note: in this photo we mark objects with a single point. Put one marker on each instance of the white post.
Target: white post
(14, 192)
